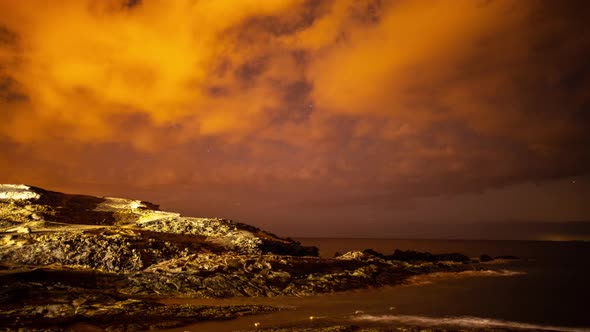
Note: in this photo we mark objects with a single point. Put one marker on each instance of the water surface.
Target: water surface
(550, 291)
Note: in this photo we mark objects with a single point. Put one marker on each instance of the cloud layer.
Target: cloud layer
(293, 103)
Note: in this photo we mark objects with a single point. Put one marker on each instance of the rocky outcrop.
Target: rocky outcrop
(35, 302)
(218, 276)
(67, 258)
(17, 192)
(67, 219)
(416, 256)
(102, 249)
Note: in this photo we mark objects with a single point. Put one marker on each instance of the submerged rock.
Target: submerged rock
(485, 258)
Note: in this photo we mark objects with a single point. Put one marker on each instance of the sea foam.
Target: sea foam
(463, 322)
(429, 278)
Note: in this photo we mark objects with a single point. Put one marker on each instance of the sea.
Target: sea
(546, 289)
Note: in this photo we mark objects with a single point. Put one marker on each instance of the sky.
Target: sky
(362, 118)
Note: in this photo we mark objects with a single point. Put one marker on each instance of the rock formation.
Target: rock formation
(64, 258)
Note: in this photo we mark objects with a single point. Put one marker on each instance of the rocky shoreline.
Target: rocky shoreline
(69, 259)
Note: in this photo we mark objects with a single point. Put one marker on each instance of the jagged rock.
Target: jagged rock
(356, 255)
(36, 208)
(220, 231)
(20, 230)
(17, 192)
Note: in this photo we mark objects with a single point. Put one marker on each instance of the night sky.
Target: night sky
(455, 118)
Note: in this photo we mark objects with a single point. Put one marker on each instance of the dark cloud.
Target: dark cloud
(133, 3)
(7, 37)
(367, 12)
(10, 92)
(248, 72)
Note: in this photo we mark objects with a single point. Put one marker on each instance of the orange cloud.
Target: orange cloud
(84, 61)
(379, 99)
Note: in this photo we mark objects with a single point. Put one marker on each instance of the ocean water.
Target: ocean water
(547, 289)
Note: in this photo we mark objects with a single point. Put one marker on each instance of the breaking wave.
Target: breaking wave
(425, 279)
(464, 322)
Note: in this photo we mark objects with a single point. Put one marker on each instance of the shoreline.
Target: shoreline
(56, 306)
(71, 259)
(300, 314)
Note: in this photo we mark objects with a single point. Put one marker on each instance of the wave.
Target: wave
(429, 278)
(464, 322)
